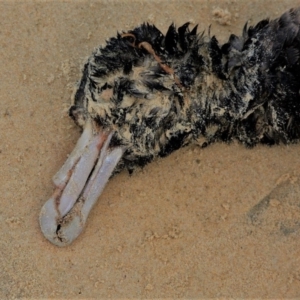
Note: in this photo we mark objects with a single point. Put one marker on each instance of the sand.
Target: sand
(202, 223)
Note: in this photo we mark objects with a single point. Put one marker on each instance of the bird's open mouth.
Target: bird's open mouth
(79, 183)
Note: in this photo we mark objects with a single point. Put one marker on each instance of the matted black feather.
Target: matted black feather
(167, 91)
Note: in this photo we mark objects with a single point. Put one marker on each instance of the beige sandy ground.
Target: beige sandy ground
(218, 222)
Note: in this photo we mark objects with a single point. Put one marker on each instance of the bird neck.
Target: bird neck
(221, 97)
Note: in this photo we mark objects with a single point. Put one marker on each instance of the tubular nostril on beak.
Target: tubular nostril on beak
(80, 182)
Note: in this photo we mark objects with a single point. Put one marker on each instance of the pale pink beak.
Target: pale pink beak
(79, 183)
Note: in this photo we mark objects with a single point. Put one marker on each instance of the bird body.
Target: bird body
(145, 95)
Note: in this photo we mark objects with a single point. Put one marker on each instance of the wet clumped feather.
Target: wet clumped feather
(161, 92)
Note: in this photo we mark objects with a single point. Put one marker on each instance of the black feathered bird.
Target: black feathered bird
(146, 94)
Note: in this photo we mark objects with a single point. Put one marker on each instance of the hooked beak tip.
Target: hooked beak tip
(79, 183)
